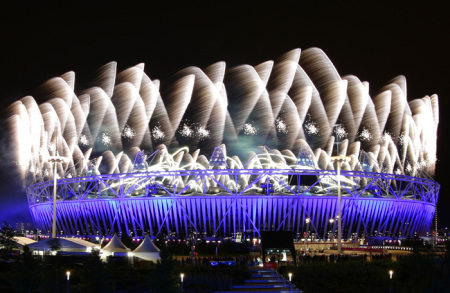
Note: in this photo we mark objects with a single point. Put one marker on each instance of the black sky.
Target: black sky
(373, 40)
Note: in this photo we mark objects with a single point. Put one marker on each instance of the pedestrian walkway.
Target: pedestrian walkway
(264, 281)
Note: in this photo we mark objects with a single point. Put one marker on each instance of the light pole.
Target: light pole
(181, 277)
(331, 230)
(55, 160)
(68, 279)
(290, 281)
(339, 160)
(391, 272)
(307, 220)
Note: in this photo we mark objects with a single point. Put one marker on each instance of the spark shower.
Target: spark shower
(225, 151)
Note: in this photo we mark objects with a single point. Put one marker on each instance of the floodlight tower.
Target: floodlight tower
(339, 160)
(55, 160)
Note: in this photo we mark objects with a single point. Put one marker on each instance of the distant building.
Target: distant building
(24, 228)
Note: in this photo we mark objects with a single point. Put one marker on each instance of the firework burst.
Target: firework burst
(281, 126)
(157, 133)
(83, 140)
(128, 132)
(340, 132)
(365, 135)
(203, 133)
(249, 129)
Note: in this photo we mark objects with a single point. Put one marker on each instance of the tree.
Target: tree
(25, 276)
(163, 278)
(95, 277)
(7, 242)
(54, 244)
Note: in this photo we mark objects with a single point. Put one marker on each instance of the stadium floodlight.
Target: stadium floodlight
(55, 160)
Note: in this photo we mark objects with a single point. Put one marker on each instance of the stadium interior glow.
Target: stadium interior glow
(262, 140)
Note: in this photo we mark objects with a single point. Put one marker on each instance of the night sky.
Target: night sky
(373, 40)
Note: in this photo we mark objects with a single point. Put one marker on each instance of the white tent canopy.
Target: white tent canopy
(22, 241)
(67, 244)
(147, 250)
(114, 246)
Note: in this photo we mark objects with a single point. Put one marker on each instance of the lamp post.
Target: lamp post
(307, 220)
(339, 160)
(68, 279)
(391, 272)
(55, 160)
(181, 277)
(290, 281)
(331, 229)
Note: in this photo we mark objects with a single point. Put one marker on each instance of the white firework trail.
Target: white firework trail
(51, 146)
(401, 139)
(281, 126)
(249, 129)
(398, 171)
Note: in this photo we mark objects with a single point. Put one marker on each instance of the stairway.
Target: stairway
(264, 281)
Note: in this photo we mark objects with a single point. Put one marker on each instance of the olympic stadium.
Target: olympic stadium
(224, 152)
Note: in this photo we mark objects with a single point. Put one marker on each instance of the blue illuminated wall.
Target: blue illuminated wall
(385, 205)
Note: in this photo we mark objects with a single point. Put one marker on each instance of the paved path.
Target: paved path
(263, 281)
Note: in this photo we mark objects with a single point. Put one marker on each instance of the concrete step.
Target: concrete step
(262, 291)
(257, 280)
(260, 286)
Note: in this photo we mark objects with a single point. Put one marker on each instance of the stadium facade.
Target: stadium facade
(228, 152)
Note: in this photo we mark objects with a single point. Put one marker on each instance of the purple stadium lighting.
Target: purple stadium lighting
(221, 152)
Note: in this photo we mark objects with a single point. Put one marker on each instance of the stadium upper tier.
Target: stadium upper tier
(298, 108)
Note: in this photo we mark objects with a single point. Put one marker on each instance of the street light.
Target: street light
(55, 160)
(391, 272)
(331, 234)
(290, 281)
(68, 278)
(339, 160)
(182, 277)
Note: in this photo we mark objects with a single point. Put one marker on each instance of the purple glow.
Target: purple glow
(94, 204)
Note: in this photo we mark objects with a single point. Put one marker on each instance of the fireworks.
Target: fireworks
(157, 133)
(401, 139)
(281, 126)
(186, 131)
(128, 132)
(386, 137)
(249, 129)
(106, 139)
(365, 135)
(51, 146)
(340, 132)
(160, 112)
(311, 128)
(203, 133)
(408, 168)
(83, 140)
